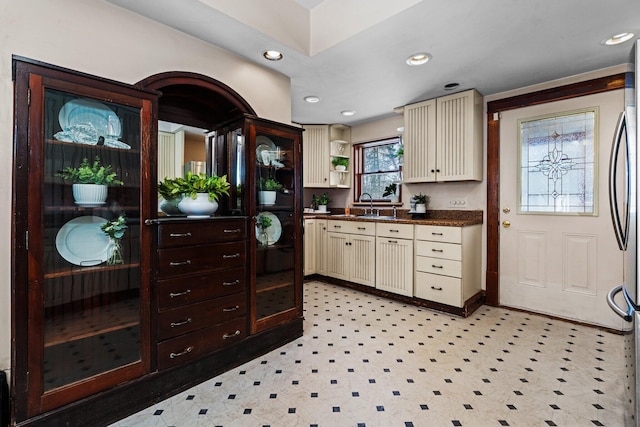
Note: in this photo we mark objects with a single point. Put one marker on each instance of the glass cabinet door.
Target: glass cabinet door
(87, 283)
(277, 285)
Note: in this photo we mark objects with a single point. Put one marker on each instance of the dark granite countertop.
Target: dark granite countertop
(449, 218)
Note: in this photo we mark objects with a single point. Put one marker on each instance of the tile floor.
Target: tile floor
(368, 361)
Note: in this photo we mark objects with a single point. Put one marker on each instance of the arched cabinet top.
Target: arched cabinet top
(195, 99)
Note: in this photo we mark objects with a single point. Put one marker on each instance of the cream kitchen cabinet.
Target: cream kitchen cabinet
(447, 263)
(351, 251)
(394, 258)
(315, 246)
(443, 139)
(322, 143)
(310, 227)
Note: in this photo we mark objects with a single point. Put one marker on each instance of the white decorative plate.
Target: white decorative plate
(82, 242)
(90, 113)
(264, 150)
(273, 232)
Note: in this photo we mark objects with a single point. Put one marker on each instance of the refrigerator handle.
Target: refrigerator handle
(626, 315)
(613, 194)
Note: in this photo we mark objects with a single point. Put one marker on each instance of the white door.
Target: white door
(558, 264)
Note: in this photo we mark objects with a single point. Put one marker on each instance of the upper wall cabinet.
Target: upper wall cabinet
(443, 139)
(326, 148)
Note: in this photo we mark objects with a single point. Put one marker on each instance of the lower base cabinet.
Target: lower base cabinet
(447, 263)
(351, 251)
(394, 258)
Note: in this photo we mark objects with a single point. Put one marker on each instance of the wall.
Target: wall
(99, 38)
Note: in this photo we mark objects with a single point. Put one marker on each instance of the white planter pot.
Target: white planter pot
(267, 197)
(200, 207)
(89, 194)
(170, 207)
(341, 168)
(421, 208)
(394, 199)
(322, 208)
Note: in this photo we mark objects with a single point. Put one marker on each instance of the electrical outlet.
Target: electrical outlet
(460, 202)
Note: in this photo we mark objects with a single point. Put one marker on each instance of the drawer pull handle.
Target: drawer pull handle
(180, 234)
(235, 230)
(236, 255)
(182, 353)
(235, 282)
(393, 241)
(179, 263)
(179, 294)
(437, 250)
(436, 266)
(184, 322)
(394, 231)
(226, 310)
(337, 226)
(436, 288)
(362, 228)
(436, 234)
(235, 334)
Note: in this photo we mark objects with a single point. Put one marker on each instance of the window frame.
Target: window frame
(358, 169)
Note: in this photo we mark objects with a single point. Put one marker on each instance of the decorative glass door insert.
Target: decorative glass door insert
(558, 163)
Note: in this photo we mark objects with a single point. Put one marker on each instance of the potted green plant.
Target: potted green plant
(400, 154)
(267, 191)
(340, 163)
(171, 194)
(321, 202)
(421, 202)
(201, 193)
(90, 181)
(390, 190)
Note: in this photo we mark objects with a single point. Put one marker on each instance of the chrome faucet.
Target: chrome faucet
(370, 200)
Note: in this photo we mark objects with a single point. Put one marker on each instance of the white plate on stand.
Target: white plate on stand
(273, 232)
(82, 242)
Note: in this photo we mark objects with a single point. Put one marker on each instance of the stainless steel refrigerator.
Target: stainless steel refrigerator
(623, 166)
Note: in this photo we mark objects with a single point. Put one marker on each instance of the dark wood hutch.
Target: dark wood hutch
(93, 342)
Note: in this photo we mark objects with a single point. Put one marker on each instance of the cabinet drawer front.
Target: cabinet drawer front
(401, 231)
(181, 291)
(439, 233)
(353, 227)
(179, 321)
(439, 266)
(442, 289)
(451, 251)
(199, 343)
(200, 232)
(179, 261)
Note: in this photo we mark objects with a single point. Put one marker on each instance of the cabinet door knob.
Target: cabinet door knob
(179, 294)
(236, 255)
(236, 333)
(184, 322)
(182, 353)
(180, 234)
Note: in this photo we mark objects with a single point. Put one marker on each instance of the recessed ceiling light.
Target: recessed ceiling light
(418, 59)
(451, 86)
(618, 38)
(272, 55)
(312, 99)
(347, 112)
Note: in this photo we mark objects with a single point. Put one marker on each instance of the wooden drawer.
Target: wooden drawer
(180, 261)
(400, 231)
(190, 233)
(441, 289)
(189, 318)
(181, 291)
(439, 250)
(439, 233)
(352, 227)
(446, 267)
(187, 347)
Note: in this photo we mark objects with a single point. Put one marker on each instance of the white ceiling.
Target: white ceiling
(351, 53)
